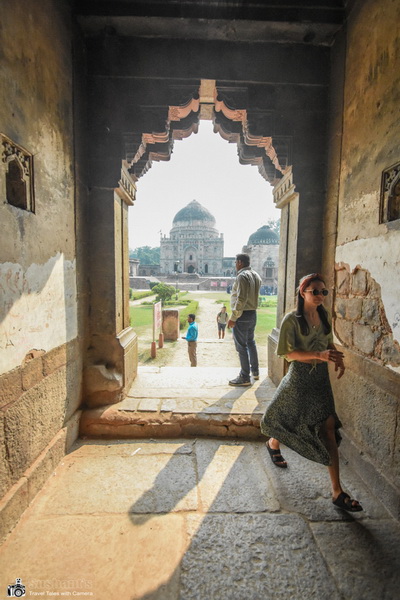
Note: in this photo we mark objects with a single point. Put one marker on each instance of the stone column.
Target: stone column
(287, 199)
(300, 249)
(112, 354)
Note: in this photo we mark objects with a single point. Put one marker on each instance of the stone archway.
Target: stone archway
(271, 155)
(241, 114)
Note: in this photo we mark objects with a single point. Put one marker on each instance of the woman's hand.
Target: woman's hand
(335, 356)
(339, 366)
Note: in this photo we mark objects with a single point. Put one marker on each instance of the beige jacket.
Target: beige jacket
(245, 292)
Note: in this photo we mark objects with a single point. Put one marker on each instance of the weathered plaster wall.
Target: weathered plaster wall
(38, 309)
(40, 368)
(364, 142)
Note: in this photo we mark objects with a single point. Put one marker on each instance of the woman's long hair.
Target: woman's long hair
(303, 284)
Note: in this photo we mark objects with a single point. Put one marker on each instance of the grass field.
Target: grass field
(141, 318)
(266, 321)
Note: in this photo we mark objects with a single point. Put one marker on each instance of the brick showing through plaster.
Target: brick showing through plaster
(360, 320)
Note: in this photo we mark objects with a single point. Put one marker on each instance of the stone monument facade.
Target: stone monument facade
(263, 249)
(194, 244)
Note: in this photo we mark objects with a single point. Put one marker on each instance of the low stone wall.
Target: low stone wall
(112, 423)
(39, 399)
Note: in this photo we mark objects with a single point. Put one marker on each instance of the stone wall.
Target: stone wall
(41, 358)
(361, 257)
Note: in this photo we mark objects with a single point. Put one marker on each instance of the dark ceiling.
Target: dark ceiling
(298, 21)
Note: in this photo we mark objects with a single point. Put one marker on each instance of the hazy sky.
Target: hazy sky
(206, 168)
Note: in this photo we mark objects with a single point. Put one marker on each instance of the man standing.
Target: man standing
(222, 320)
(244, 302)
(191, 338)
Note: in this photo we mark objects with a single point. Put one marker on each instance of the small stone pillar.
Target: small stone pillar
(170, 324)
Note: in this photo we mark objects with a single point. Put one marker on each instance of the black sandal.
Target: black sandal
(344, 502)
(276, 457)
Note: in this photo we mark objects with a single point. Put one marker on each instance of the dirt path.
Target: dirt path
(211, 352)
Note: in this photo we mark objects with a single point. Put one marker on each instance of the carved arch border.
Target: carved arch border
(232, 125)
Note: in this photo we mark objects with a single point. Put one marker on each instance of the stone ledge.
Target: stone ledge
(112, 423)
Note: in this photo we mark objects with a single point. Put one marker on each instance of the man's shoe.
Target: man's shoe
(256, 375)
(239, 381)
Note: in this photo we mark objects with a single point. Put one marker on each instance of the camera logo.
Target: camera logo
(17, 590)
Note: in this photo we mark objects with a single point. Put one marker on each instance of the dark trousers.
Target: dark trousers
(243, 334)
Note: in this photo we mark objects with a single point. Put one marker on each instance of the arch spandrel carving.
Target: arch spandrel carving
(233, 124)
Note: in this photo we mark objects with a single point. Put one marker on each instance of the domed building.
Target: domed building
(194, 244)
(263, 249)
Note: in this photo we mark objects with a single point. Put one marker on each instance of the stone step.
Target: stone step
(172, 402)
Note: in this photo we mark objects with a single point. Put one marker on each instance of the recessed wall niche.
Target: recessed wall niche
(390, 194)
(18, 174)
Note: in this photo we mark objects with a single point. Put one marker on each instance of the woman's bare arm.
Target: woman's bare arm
(329, 355)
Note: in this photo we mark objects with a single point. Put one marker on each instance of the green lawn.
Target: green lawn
(141, 317)
(266, 321)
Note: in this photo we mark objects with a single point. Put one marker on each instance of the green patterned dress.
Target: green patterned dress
(304, 398)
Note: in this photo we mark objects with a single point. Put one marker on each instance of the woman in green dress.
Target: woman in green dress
(302, 412)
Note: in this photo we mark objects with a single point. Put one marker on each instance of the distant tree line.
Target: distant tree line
(146, 255)
(275, 226)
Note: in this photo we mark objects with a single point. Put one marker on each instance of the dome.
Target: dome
(263, 236)
(194, 211)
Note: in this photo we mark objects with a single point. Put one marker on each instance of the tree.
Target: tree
(275, 226)
(146, 255)
(164, 291)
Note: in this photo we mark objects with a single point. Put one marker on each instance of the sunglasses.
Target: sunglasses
(318, 292)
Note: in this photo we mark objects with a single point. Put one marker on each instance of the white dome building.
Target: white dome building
(194, 244)
(263, 249)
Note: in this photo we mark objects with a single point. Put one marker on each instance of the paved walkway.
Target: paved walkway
(183, 401)
(198, 520)
(141, 300)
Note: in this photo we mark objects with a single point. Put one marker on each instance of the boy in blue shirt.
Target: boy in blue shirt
(191, 338)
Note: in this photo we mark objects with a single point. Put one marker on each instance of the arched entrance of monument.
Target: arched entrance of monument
(236, 120)
(238, 213)
(190, 261)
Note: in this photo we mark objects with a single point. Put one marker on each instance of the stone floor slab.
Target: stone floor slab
(98, 557)
(148, 404)
(139, 483)
(202, 382)
(254, 557)
(194, 391)
(304, 488)
(232, 478)
(364, 557)
(101, 448)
